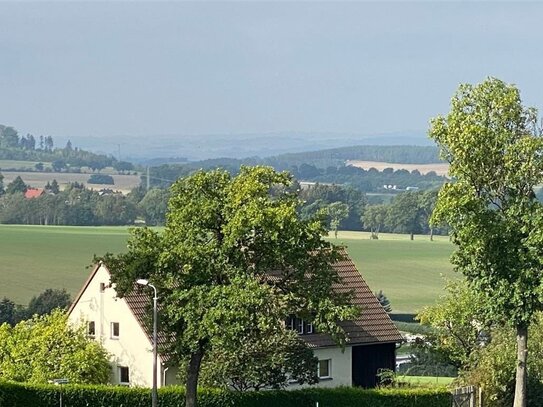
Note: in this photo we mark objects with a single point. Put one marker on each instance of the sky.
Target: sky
(188, 68)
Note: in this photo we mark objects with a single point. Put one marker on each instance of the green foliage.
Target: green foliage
(492, 367)
(47, 301)
(13, 147)
(497, 224)
(46, 347)
(73, 206)
(23, 395)
(1, 184)
(374, 218)
(259, 361)
(223, 237)
(337, 211)
(458, 328)
(16, 186)
(101, 179)
(154, 205)
(495, 151)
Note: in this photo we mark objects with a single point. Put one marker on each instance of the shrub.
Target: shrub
(23, 395)
(101, 179)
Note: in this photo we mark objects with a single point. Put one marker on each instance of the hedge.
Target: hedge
(25, 395)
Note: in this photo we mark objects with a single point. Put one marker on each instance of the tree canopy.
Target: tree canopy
(235, 260)
(495, 153)
(47, 347)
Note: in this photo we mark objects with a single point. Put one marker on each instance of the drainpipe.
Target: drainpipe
(164, 370)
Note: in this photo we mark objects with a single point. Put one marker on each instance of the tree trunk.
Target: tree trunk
(431, 234)
(522, 354)
(412, 236)
(193, 372)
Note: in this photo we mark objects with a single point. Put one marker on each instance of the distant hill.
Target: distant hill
(239, 146)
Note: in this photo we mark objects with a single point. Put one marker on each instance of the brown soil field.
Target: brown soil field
(123, 183)
(440, 169)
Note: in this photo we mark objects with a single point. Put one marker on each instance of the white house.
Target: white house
(119, 324)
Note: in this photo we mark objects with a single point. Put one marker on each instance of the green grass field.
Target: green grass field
(34, 258)
(17, 165)
(410, 273)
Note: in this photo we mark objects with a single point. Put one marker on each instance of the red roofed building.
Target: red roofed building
(34, 193)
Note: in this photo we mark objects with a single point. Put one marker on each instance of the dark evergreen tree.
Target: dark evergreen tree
(384, 301)
(17, 185)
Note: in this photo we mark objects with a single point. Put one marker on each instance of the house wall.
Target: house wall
(133, 348)
(340, 368)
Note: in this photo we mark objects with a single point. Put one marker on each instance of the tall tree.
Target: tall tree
(47, 301)
(17, 185)
(495, 153)
(1, 184)
(223, 237)
(374, 219)
(337, 211)
(404, 214)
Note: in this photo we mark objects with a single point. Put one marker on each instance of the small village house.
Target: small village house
(120, 325)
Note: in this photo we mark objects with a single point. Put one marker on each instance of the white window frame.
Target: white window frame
(300, 326)
(112, 328)
(329, 362)
(309, 328)
(121, 375)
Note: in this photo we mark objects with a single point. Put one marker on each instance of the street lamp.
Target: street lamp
(154, 397)
(59, 382)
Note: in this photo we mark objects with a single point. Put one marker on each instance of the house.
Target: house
(34, 193)
(119, 323)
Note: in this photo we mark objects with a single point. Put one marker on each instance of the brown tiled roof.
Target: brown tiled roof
(139, 303)
(372, 326)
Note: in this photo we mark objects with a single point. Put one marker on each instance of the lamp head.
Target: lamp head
(142, 281)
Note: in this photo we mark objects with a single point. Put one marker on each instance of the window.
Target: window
(114, 329)
(102, 287)
(124, 375)
(300, 325)
(91, 329)
(324, 369)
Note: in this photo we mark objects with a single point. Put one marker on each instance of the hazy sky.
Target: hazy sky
(80, 69)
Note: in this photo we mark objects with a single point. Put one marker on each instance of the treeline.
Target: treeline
(338, 156)
(42, 149)
(42, 304)
(370, 180)
(79, 206)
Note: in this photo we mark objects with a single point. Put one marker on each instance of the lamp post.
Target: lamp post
(154, 396)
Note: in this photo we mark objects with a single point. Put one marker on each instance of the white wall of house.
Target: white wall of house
(340, 367)
(132, 348)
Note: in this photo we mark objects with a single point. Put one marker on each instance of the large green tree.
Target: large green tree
(496, 159)
(234, 261)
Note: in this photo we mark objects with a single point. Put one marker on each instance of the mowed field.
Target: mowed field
(440, 168)
(33, 258)
(411, 273)
(123, 183)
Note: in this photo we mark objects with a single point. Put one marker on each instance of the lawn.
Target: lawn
(34, 258)
(410, 273)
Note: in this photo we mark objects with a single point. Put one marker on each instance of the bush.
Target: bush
(23, 395)
(101, 179)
